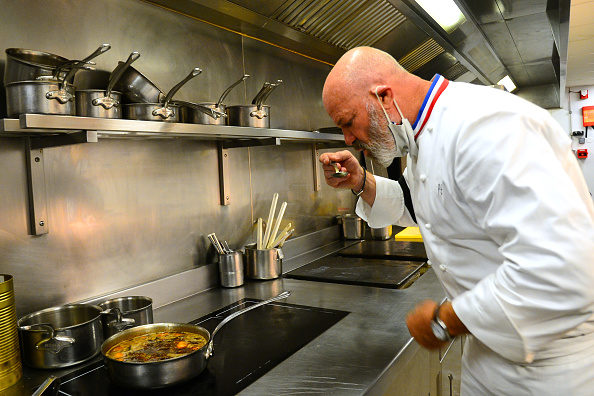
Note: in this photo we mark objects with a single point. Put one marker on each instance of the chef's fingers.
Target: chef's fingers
(418, 322)
(339, 156)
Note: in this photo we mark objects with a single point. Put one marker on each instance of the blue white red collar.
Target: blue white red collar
(439, 83)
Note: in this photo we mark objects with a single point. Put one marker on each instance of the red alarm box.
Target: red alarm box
(588, 115)
(582, 153)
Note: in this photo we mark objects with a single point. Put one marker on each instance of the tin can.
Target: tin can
(11, 369)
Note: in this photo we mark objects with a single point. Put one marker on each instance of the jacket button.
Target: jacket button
(442, 267)
(429, 128)
(428, 226)
(429, 262)
(422, 178)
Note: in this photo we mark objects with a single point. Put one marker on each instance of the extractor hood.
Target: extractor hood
(524, 39)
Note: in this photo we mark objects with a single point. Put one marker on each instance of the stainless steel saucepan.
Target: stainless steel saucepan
(202, 117)
(163, 373)
(26, 65)
(163, 111)
(46, 96)
(256, 115)
(61, 336)
(104, 103)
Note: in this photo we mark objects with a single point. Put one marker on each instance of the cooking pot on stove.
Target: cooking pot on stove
(60, 336)
(125, 312)
(163, 373)
(256, 115)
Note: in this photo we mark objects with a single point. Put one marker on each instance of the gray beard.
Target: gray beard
(381, 142)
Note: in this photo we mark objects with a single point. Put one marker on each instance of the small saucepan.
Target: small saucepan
(61, 336)
(202, 117)
(256, 115)
(137, 88)
(163, 373)
(163, 111)
(104, 103)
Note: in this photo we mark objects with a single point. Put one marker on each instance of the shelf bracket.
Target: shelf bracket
(36, 187)
(316, 165)
(64, 139)
(224, 183)
(227, 144)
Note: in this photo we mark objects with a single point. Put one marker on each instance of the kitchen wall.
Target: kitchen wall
(570, 118)
(123, 212)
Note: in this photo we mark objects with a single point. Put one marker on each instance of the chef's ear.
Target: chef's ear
(385, 94)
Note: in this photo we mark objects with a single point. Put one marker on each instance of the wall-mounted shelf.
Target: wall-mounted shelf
(43, 131)
(40, 124)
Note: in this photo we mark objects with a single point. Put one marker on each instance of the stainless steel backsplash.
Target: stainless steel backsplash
(123, 212)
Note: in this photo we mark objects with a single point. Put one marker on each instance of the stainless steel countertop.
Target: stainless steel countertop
(349, 357)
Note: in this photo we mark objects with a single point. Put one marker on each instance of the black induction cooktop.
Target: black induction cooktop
(244, 349)
(393, 274)
(390, 249)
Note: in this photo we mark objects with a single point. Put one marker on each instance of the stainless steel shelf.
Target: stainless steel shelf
(40, 124)
(43, 131)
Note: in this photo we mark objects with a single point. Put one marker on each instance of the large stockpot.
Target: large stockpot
(125, 312)
(39, 97)
(60, 336)
(26, 65)
(103, 103)
(165, 111)
(160, 374)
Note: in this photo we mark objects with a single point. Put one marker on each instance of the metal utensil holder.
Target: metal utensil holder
(231, 269)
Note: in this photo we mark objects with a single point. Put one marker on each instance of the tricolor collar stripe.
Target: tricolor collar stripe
(433, 83)
(437, 87)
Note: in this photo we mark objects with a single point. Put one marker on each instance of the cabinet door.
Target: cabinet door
(451, 368)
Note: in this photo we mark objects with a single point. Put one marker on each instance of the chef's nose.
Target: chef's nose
(349, 138)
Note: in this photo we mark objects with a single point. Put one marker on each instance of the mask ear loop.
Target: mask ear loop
(385, 112)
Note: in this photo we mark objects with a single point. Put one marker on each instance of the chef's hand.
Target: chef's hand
(346, 162)
(419, 323)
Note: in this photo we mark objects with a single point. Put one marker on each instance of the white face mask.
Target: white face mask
(404, 136)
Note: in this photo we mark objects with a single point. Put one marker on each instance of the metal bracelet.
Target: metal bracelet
(357, 194)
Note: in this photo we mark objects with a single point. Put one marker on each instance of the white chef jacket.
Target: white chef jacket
(508, 225)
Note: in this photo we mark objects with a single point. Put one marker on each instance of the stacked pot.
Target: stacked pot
(38, 82)
(66, 335)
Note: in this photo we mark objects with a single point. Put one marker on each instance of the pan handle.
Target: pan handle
(165, 112)
(209, 348)
(224, 95)
(53, 344)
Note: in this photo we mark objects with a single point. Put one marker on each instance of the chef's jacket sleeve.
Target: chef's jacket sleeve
(519, 178)
(389, 206)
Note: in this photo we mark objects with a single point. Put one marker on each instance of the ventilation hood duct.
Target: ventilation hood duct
(526, 40)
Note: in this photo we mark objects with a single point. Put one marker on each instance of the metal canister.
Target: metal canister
(352, 226)
(263, 264)
(11, 368)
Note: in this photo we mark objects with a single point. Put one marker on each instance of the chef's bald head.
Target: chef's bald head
(357, 72)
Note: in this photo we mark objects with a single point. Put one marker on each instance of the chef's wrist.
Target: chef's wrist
(358, 192)
(451, 320)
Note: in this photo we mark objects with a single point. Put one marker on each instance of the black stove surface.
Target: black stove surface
(244, 349)
(391, 274)
(390, 249)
